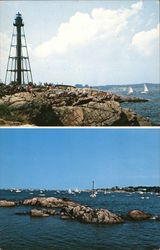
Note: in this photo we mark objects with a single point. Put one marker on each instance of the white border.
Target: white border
(83, 127)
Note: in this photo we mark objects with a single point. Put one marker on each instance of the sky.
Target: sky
(86, 42)
(73, 158)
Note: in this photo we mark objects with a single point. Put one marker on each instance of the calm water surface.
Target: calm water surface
(149, 109)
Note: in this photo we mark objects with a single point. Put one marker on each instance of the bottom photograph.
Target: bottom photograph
(79, 189)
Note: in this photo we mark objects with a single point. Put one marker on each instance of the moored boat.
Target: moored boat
(145, 91)
(130, 91)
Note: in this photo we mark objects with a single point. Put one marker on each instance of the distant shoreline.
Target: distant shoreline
(130, 189)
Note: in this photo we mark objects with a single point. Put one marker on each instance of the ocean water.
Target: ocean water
(23, 232)
(149, 109)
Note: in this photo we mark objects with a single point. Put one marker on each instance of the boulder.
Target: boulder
(89, 215)
(31, 202)
(38, 213)
(50, 211)
(49, 202)
(4, 203)
(69, 116)
(138, 215)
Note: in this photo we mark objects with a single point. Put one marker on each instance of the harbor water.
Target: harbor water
(150, 109)
(23, 232)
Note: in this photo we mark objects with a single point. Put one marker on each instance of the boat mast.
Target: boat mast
(93, 187)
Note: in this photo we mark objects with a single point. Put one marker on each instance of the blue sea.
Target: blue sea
(23, 232)
(149, 109)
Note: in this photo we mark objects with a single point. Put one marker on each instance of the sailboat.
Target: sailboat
(70, 191)
(130, 91)
(145, 89)
(94, 193)
(18, 191)
(76, 190)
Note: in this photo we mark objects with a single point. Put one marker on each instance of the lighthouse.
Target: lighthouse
(18, 66)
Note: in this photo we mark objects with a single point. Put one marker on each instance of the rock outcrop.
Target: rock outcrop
(50, 202)
(138, 215)
(69, 106)
(71, 210)
(4, 203)
(42, 212)
(38, 213)
(88, 215)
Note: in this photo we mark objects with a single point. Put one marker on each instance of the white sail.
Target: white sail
(93, 195)
(145, 89)
(130, 90)
(18, 191)
(76, 190)
(70, 191)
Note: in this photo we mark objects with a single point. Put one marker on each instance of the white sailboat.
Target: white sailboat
(18, 191)
(145, 89)
(77, 190)
(94, 193)
(70, 191)
(140, 192)
(130, 91)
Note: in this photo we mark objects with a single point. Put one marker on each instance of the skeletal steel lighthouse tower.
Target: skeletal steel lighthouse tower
(18, 67)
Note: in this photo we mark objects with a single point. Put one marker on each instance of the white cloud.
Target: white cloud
(137, 6)
(83, 28)
(4, 49)
(145, 41)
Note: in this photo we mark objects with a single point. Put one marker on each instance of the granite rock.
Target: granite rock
(69, 106)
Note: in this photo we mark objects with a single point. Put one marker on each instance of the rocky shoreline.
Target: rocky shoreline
(71, 210)
(62, 105)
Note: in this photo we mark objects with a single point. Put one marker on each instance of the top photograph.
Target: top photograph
(79, 63)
